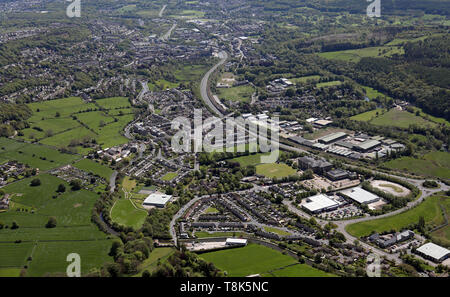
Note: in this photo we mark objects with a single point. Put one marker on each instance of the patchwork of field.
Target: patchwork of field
(44, 250)
(34, 155)
(435, 164)
(275, 170)
(64, 122)
(429, 209)
(356, 54)
(256, 259)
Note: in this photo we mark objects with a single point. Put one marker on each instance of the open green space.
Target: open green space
(435, 164)
(305, 79)
(249, 160)
(356, 54)
(254, 259)
(169, 176)
(276, 231)
(276, 170)
(400, 118)
(94, 168)
(157, 255)
(31, 207)
(34, 155)
(429, 209)
(329, 84)
(299, 270)
(124, 213)
(367, 116)
(239, 93)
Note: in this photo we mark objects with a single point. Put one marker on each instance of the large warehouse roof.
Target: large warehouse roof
(332, 137)
(360, 195)
(157, 199)
(433, 250)
(319, 202)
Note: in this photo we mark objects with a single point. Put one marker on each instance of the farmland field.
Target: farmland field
(275, 170)
(34, 155)
(30, 209)
(401, 119)
(429, 209)
(436, 164)
(94, 168)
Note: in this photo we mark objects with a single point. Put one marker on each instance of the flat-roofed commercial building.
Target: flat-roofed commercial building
(367, 145)
(433, 252)
(236, 241)
(360, 195)
(157, 200)
(320, 203)
(332, 137)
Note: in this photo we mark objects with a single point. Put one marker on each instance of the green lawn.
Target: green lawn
(435, 164)
(240, 93)
(429, 209)
(276, 231)
(169, 176)
(367, 116)
(34, 155)
(276, 170)
(126, 214)
(211, 210)
(299, 270)
(252, 259)
(94, 168)
(305, 79)
(253, 159)
(329, 84)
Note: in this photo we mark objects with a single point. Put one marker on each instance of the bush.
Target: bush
(35, 182)
(51, 223)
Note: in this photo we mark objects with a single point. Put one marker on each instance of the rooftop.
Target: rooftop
(433, 250)
(319, 202)
(360, 195)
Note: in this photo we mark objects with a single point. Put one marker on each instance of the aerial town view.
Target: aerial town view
(218, 139)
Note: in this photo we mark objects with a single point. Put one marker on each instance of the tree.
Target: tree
(51, 223)
(35, 182)
(421, 224)
(61, 188)
(75, 185)
(14, 225)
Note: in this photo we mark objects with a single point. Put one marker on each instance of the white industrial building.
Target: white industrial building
(320, 203)
(360, 195)
(433, 252)
(157, 200)
(236, 241)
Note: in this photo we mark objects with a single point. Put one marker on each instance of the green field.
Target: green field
(356, 54)
(429, 209)
(329, 84)
(367, 116)
(276, 231)
(158, 254)
(372, 93)
(126, 214)
(254, 159)
(435, 164)
(94, 168)
(275, 170)
(240, 93)
(305, 79)
(36, 156)
(59, 122)
(30, 208)
(299, 270)
(162, 84)
(169, 176)
(211, 210)
(252, 259)
(400, 118)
